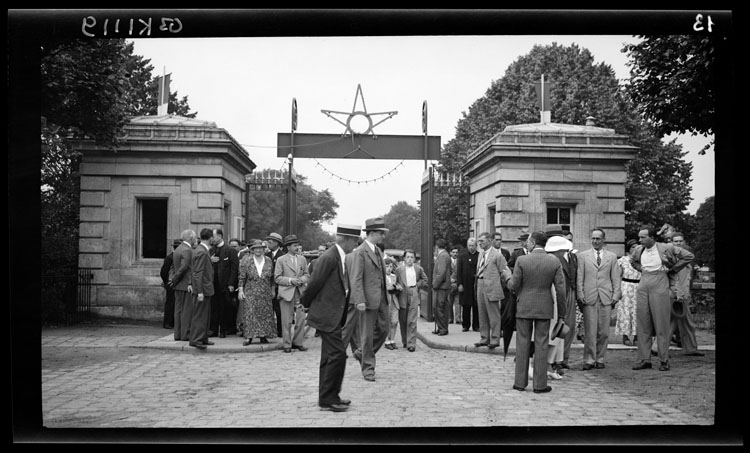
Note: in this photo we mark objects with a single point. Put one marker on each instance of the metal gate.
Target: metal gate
(427, 207)
(78, 308)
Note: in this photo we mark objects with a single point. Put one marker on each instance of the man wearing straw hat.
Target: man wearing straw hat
(326, 301)
(368, 294)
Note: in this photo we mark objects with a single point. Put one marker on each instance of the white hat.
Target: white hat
(556, 243)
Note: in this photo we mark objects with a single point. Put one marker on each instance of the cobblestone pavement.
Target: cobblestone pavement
(125, 385)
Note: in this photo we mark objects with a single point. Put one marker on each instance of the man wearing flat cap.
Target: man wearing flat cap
(326, 300)
(368, 293)
(168, 322)
(291, 276)
(274, 242)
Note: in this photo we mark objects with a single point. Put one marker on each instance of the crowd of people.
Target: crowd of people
(356, 297)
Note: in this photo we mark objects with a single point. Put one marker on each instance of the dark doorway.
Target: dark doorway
(153, 228)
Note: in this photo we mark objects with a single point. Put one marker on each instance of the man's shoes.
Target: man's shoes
(334, 407)
(599, 366)
(442, 334)
(212, 334)
(464, 330)
(345, 401)
(435, 332)
(357, 355)
(480, 344)
(370, 377)
(475, 330)
(299, 348)
(264, 340)
(411, 348)
(564, 365)
(695, 354)
(287, 350)
(544, 390)
(588, 366)
(247, 342)
(394, 346)
(520, 389)
(198, 345)
(168, 326)
(222, 335)
(642, 365)
(209, 343)
(493, 346)
(664, 366)
(388, 346)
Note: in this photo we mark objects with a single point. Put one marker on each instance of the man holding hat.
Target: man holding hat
(682, 321)
(168, 322)
(274, 241)
(368, 294)
(291, 276)
(326, 301)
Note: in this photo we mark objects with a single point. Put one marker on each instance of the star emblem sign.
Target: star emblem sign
(358, 121)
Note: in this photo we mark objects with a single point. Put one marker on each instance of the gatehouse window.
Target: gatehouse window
(559, 214)
(152, 228)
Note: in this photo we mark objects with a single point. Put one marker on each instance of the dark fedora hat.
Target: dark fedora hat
(348, 230)
(554, 229)
(176, 242)
(523, 237)
(275, 237)
(290, 239)
(376, 224)
(560, 330)
(678, 308)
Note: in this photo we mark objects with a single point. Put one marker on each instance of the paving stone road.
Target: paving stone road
(125, 385)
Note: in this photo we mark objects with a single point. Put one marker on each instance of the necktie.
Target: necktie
(481, 261)
(598, 259)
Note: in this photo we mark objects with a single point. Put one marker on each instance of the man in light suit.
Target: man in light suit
(492, 273)
(683, 326)
(368, 294)
(326, 301)
(413, 279)
(202, 288)
(274, 242)
(659, 265)
(179, 279)
(598, 291)
(290, 274)
(441, 284)
(533, 280)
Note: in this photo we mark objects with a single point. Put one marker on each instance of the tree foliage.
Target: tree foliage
(673, 82)
(403, 222)
(658, 185)
(266, 213)
(704, 234)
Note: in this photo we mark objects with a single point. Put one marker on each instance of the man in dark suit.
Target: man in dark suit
(226, 264)
(326, 301)
(168, 322)
(518, 251)
(273, 242)
(441, 284)
(466, 273)
(179, 279)
(532, 281)
(202, 288)
(368, 294)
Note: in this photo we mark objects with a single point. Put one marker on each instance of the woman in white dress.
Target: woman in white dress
(626, 308)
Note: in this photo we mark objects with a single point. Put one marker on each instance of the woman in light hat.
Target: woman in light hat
(256, 293)
(558, 246)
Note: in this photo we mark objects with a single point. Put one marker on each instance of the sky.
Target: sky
(247, 85)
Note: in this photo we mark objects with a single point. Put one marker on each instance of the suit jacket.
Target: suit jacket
(165, 267)
(227, 267)
(284, 272)
(202, 279)
(182, 267)
(441, 274)
(367, 278)
(532, 280)
(279, 253)
(466, 273)
(401, 279)
(494, 271)
(325, 296)
(592, 283)
(570, 268)
(672, 257)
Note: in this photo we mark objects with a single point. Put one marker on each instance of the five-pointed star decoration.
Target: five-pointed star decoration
(357, 113)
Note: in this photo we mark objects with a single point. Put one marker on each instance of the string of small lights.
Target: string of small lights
(352, 181)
